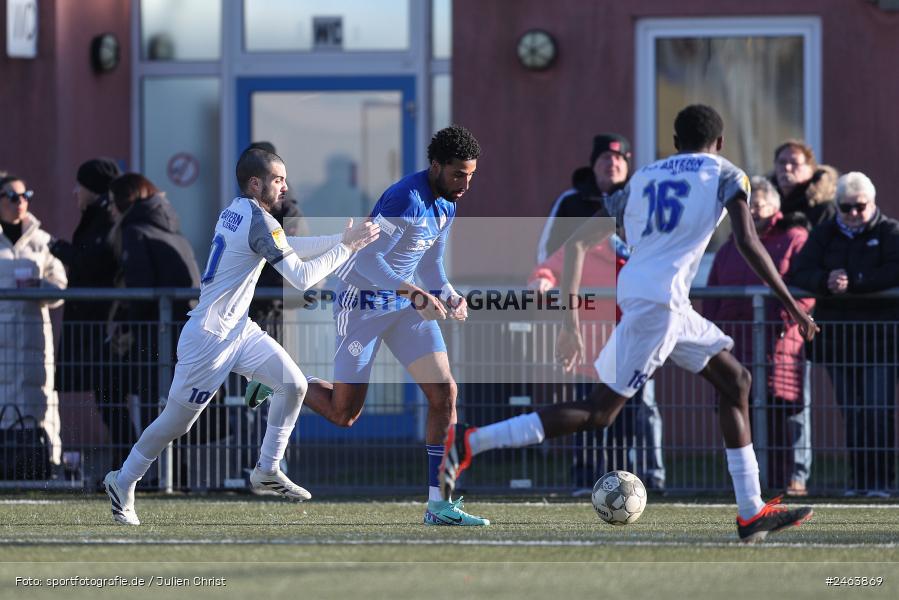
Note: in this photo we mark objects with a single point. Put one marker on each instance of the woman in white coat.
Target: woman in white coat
(26, 338)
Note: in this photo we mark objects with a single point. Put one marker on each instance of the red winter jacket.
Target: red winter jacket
(785, 349)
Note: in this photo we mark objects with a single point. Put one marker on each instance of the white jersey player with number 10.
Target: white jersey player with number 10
(219, 338)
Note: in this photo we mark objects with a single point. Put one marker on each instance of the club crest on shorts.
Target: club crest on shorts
(355, 348)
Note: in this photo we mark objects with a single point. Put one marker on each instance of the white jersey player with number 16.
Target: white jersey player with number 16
(219, 338)
(669, 210)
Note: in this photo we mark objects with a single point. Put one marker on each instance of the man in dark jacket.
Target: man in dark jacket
(857, 252)
(90, 263)
(608, 171)
(84, 361)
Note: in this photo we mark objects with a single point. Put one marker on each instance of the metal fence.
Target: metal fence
(840, 434)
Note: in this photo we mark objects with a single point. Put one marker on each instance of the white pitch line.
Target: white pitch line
(554, 504)
(421, 542)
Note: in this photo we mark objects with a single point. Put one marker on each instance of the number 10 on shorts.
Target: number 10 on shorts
(198, 397)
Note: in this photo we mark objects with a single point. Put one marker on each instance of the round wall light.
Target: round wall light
(536, 50)
(104, 52)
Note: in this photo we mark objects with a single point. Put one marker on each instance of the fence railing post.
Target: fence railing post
(166, 331)
(759, 387)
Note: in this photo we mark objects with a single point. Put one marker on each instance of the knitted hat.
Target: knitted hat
(96, 174)
(614, 142)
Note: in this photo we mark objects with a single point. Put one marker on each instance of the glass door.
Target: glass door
(344, 140)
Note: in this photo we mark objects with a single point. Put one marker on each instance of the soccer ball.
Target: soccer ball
(619, 497)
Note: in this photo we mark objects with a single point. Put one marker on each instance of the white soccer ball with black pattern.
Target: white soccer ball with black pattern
(619, 497)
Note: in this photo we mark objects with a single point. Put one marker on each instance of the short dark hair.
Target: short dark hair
(254, 162)
(130, 188)
(453, 142)
(9, 178)
(697, 126)
(267, 146)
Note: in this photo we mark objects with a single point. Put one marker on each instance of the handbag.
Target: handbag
(24, 448)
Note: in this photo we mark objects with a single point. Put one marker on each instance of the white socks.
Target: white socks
(134, 468)
(274, 444)
(744, 470)
(523, 430)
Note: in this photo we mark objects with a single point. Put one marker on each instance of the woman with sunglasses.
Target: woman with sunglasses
(856, 253)
(26, 338)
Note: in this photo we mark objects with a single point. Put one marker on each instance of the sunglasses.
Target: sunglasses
(848, 208)
(16, 198)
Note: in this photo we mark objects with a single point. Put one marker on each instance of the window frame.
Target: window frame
(650, 30)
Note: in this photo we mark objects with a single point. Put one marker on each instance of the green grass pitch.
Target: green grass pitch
(379, 549)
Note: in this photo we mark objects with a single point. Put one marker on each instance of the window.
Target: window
(184, 30)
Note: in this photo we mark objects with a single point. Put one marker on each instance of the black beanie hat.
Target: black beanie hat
(605, 142)
(96, 174)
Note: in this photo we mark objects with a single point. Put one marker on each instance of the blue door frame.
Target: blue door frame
(403, 424)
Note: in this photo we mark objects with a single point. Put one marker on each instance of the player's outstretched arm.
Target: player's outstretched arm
(747, 242)
(304, 274)
(306, 246)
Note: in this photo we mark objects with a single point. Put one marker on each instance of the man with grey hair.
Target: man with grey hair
(788, 420)
(855, 253)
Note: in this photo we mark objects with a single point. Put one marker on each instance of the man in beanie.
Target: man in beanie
(641, 420)
(608, 172)
(90, 263)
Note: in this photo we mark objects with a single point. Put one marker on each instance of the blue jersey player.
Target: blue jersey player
(379, 302)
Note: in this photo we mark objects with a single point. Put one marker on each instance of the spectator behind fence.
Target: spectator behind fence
(26, 337)
(789, 428)
(804, 185)
(856, 253)
(608, 171)
(152, 251)
(634, 441)
(84, 363)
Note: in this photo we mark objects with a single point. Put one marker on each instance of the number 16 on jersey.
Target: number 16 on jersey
(665, 204)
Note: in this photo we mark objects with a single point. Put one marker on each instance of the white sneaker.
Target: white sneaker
(278, 483)
(122, 500)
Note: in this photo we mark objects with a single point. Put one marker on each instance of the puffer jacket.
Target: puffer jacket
(153, 252)
(26, 337)
(855, 328)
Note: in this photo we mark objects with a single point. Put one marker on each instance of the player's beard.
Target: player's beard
(271, 199)
(442, 190)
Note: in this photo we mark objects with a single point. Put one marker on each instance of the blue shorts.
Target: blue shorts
(360, 333)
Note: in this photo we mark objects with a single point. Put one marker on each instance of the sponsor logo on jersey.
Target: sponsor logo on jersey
(280, 239)
(421, 245)
(231, 220)
(386, 226)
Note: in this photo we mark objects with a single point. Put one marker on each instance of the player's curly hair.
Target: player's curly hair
(453, 142)
(697, 126)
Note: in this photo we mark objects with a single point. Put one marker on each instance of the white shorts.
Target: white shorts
(205, 360)
(647, 335)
